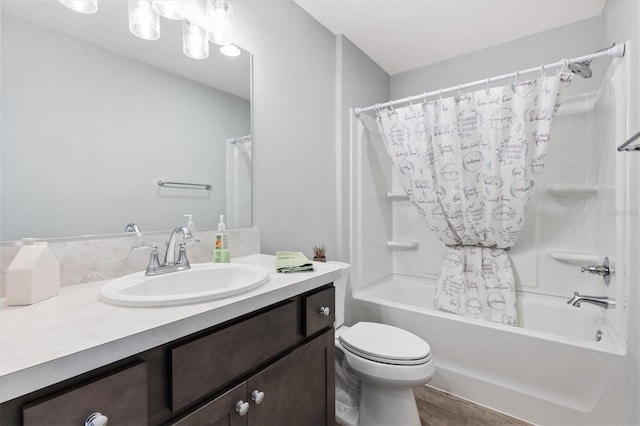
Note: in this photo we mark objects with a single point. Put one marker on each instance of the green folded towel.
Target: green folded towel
(292, 261)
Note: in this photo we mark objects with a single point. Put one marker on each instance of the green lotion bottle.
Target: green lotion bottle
(221, 251)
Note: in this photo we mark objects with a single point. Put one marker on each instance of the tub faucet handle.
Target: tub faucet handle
(603, 270)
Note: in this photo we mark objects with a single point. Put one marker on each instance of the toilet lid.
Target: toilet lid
(385, 343)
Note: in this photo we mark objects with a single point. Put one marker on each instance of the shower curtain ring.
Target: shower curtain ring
(487, 85)
(542, 71)
(565, 66)
(459, 90)
(517, 73)
(440, 93)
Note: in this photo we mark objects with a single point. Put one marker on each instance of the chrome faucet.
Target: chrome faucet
(170, 265)
(131, 227)
(170, 255)
(605, 302)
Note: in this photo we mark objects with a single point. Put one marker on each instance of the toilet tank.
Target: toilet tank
(341, 290)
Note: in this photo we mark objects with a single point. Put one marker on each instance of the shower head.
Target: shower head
(581, 68)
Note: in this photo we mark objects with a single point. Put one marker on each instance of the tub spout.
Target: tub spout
(605, 302)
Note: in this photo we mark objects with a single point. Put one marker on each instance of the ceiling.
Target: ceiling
(401, 35)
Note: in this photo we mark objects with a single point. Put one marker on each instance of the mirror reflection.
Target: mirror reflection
(94, 118)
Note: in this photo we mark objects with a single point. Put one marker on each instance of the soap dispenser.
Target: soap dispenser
(220, 251)
(190, 223)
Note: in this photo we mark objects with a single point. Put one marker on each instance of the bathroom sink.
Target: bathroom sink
(202, 282)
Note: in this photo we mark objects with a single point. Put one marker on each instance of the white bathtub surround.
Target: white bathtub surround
(93, 258)
(468, 165)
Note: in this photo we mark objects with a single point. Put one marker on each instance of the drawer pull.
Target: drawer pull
(242, 407)
(325, 311)
(96, 419)
(257, 396)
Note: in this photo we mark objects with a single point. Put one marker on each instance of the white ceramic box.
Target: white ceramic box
(34, 275)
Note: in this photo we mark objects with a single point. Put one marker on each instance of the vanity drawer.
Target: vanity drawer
(205, 365)
(316, 316)
(121, 396)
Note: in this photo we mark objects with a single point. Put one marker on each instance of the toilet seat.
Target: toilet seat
(385, 344)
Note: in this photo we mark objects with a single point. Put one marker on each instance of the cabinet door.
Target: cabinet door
(219, 412)
(299, 389)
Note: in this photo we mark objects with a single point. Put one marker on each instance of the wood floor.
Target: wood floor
(438, 408)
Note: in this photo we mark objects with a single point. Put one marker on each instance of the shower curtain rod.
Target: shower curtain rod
(616, 51)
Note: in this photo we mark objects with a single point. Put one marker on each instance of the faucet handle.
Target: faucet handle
(154, 262)
(152, 247)
(182, 254)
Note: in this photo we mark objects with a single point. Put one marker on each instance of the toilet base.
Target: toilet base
(387, 405)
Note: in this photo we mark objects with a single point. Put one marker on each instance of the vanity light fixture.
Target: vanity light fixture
(219, 14)
(144, 21)
(194, 41)
(170, 9)
(82, 6)
(230, 50)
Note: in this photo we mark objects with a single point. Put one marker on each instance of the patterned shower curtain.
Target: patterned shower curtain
(468, 164)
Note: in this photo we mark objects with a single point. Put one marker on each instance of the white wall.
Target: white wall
(621, 22)
(91, 131)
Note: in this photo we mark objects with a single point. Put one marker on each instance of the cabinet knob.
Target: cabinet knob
(257, 396)
(96, 419)
(325, 311)
(242, 407)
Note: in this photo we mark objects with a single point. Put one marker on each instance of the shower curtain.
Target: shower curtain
(468, 164)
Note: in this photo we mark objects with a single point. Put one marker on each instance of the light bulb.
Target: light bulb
(230, 50)
(144, 21)
(82, 6)
(194, 41)
(170, 9)
(219, 14)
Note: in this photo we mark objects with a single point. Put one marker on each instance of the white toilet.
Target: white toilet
(376, 367)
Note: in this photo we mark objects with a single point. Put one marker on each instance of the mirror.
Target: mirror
(94, 117)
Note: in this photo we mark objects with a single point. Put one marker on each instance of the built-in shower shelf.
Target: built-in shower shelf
(579, 104)
(403, 245)
(397, 196)
(576, 191)
(573, 257)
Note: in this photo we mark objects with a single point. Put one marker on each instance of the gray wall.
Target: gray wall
(568, 41)
(294, 174)
(361, 82)
(88, 132)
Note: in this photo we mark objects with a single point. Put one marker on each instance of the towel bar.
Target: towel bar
(178, 184)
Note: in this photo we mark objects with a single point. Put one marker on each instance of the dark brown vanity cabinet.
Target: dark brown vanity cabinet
(296, 390)
(274, 366)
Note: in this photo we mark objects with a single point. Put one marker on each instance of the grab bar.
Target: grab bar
(178, 184)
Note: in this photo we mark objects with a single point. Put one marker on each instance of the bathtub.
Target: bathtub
(559, 366)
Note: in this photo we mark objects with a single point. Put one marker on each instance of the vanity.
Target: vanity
(262, 357)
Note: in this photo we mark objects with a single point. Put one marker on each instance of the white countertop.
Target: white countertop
(74, 332)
